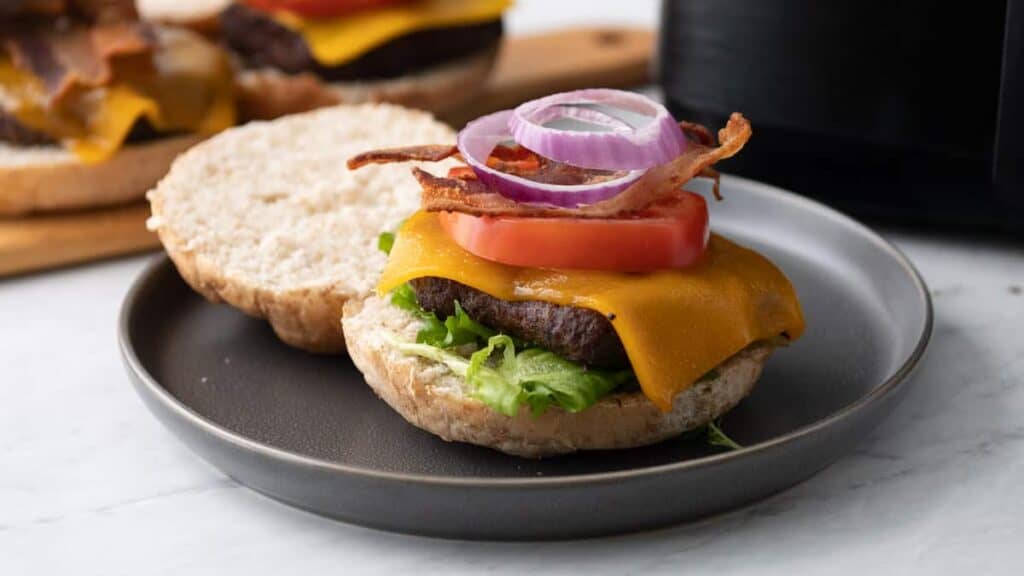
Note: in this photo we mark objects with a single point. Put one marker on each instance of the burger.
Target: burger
(296, 55)
(560, 290)
(95, 104)
(199, 15)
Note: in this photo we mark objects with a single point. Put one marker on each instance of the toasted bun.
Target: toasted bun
(429, 396)
(267, 218)
(266, 94)
(47, 178)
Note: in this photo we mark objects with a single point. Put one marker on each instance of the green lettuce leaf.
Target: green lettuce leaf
(456, 363)
(712, 435)
(385, 242)
(499, 375)
(456, 330)
(461, 329)
(716, 437)
(506, 380)
(538, 378)
(433, 330)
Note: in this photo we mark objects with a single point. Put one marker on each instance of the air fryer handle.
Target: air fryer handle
(1008, 157)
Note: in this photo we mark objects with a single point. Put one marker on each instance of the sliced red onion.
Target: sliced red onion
(587, 115)
(623, 145)
(479, 138)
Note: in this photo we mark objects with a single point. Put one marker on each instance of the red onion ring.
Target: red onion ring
(632, 148)
(479, 138)
(588, 115)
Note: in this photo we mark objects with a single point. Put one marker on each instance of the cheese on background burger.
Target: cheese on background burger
(561, 292)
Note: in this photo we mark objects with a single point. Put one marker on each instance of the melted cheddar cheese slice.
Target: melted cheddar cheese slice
(335, 41)
(675, 325)
(185, 87)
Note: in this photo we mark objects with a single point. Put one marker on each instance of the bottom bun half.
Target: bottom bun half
(49, 178)
(431, 397)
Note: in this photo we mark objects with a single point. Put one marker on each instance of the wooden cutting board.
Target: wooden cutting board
(527, 67)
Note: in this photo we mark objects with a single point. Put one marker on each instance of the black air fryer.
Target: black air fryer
(908, 111)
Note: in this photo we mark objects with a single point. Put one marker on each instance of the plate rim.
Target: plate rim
(888, 386)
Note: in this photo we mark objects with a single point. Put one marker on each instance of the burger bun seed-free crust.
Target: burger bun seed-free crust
(428, 395)
(266, 94)
(49, 178)
(267, 218)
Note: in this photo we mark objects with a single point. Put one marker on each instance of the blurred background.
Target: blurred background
(904, 112)
(529, 16)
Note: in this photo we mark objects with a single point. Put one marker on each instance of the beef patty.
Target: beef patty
(14, 132)
(262, 42)
(577, 334)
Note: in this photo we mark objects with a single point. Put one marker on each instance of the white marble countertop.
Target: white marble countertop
(90, 483)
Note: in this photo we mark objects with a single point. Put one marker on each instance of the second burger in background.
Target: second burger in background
(94, 104)
(296, 55)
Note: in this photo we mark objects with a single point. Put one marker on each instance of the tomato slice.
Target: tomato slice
(319, 8)
(673, 234)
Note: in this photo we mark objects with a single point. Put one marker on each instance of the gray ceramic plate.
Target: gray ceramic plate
(307, 431)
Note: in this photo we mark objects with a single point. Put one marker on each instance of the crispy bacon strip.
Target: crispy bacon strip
(697, 133)
(429, 153)
(715, 176)
(450, 194)
(80, 54)
(462, 192)
(664, 180)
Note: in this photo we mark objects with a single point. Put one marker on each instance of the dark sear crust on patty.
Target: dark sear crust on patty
(261, 42)
(577, 334)
(14, 132)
